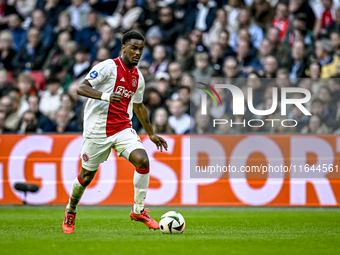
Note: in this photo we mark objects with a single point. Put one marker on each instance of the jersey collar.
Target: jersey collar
(126, 69)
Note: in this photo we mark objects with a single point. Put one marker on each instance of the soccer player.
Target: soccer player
(115, 87)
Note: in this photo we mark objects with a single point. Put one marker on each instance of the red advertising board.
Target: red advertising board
(53, 161)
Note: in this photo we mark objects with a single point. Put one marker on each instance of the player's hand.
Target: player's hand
(159, 141)
(115, 97)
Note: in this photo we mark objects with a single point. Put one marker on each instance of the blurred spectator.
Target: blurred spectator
(297, 63)
(5, 86)
(153, 37)
(29, 124)
(23, 7)
(50, 99)
(297, 115)
(160, 59)
(203, 124)
(108, 40)
(335, 25)
(299, 28)
(163, 85)
(324, 94)
(220, 23)
(33, 105)
(315, 126)
(103, 53)
(180, 121)
(57, 61)
(246, 62)
(230, 70)
(124, 19)
(183, 94)
(245, 21)
(262, 12)
(314, 72)
(64, 25)
(233, 8)
(160, 122)
(335, 38)
(175, 71)
(324, 16)
(79, 11)
(46, 30)
(105, 7)
(52, 9)
(149, 77)
(196, 40)
(12, 116)
(32, 54)
(281, 20)
(89, 35)
(223, 41)
(3, 129)
(14, 26)
(216, 58)
(328, 62)
(149, 15)
(203, 70)
(182, 10)
(7, 52)
(265, 50)
(280, 49)
(255, 82)
(203, 15)
(67, 103)
(270, 66)
(82, 65)
(302, 6)
(5, 11)
(183, 54)
(62, 123)
(168, 26)
(26, 88)
(317, 107)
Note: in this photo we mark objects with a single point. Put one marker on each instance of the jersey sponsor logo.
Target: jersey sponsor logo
(85, 157)
(122, 79)
(124, 92)
(93, 74)
(134, 82)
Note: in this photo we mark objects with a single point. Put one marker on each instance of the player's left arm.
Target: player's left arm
(143, 117)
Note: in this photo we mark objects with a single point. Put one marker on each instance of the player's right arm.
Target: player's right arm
(85, 89)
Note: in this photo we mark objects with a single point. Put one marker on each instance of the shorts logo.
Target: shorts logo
(85, 157)
(125, 92)
(93, 74)
(134, 83)
(133, 131)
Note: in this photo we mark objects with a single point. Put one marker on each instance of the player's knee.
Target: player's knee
(142, 163)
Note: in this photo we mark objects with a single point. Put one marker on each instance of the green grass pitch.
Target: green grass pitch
(209, 230)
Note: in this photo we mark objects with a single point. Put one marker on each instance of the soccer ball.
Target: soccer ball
(172, 223)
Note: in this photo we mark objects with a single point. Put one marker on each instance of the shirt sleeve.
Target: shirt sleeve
(99, 73)
(138, 96)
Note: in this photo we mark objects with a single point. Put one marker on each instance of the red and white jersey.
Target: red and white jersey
(103, 119)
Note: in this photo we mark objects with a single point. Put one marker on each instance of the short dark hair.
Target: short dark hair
(52, 80)
(132, 35)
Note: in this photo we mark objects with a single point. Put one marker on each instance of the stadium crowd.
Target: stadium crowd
(48, 46)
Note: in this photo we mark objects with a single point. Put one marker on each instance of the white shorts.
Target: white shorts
(96, 151)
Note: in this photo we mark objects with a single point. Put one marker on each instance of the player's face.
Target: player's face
(133, 51)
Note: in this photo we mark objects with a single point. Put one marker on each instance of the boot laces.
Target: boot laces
(145, 213)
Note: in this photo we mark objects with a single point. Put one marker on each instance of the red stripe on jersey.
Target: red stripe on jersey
(126, 84)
